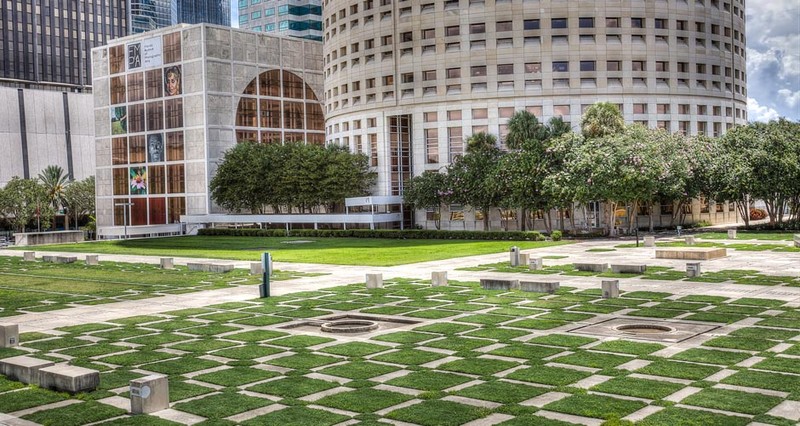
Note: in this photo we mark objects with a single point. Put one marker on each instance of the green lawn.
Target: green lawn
(748, 235)
(333, 251)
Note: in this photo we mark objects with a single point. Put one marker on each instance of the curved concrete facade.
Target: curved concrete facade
(407, 81)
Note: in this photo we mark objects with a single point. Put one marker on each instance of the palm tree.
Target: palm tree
(524, 127)
(481, 141)
(557, 127)
(55, 183)
(602, 119)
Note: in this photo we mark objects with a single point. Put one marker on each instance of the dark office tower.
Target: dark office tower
(46, 42)
(204, 11)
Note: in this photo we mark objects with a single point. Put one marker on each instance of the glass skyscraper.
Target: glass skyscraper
(301, 19)
(148, 15)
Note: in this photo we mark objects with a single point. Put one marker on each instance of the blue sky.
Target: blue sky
(773, 58)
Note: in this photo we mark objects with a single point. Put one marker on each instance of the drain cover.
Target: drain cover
(633, 328)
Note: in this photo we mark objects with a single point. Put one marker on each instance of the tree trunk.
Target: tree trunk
(523, 218)
(549, 221)
(572, 217)
(650, 219)
(485, 220)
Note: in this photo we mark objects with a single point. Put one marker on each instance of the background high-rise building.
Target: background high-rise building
(149, 15)
(294, 18)
(49, 42)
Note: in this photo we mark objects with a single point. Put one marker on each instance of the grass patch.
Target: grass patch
(628, 347)
(429, 380)
(354, 349)
(745, 343)
(597, 406)
(303, 361)
(235, 376)
(501, 334)
(300, 341)
(734, 401)
(28, 398)
(297, 416)
(222, 405)
(335, 251)
(359, 370)
(438, 413)
(502, 392)
(477, 366)
(678, 416)
(458, 344)
(562, 340)
(786, 365)
(640, 388)
(764, 380)
(678, 370)
(592, 359)
(764, 333)
(404, 337)
(554, 376)
(710, 356)
(365, 400)
(409, 357)
(521, 350)
(293, 387)
(75, 414)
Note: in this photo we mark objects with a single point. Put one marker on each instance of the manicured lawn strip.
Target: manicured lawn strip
(179, 390)
(456, 343)
(57, 343)
(562, 340)
(765, 380)
(404, 337)
(554, 376)
(409, 357)
(445, 328)
(303, 361)
(27, 398)
(94, 350)
(365, 400)
(485, 319)
(236, 376)
(7, 385)
(745, 343)
(502, 392)
(297, 416)
(652, 295)
(715, 317)
(429, 380)
(764, 333)
(566, 316)
(655, 313)
(358, 370)
(432, 314)
(641, 388)
(521, 350)
(786, 365)
(117, 379)
(501, 334)
(300, 341)
(477, 366)
(203, 346)
(140, 420)
(678, 416)
(711, 356)
(628, 347)
(354, 349)
(780, 322)
(530, 419)
(338, 251)
(293, 387)
(181, 366)
(75, 414)
(737, 309)
(592, 359)
(247, 352)
(536, 324)
(222, 405)
(255, 335)
(158, 339)
(734, 401)
(438, 413)
(597, 406)
(752, 301)
(678, 370)
(173, 325)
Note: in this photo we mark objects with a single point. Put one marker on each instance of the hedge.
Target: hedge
(411, 234)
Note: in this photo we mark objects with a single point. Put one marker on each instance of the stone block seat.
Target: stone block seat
(499, 284)
(540, 286)
(591, 267)
(628, 269)
(23, 368)
(69, 378)
(691, 253)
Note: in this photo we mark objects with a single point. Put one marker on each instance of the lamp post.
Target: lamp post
(125, 208)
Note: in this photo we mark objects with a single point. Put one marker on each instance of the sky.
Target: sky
(773, 58)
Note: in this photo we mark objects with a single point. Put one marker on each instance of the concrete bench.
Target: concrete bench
(23, 368)
(797, 240)
(539, 286)
(29, 256)
(691, 253)
(499, 284)
(69, 378)
(628, 269)
(60, 259)
(220, 267)
(591, 267)
(198, 266)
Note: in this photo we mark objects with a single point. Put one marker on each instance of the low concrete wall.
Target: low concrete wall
(39, 238)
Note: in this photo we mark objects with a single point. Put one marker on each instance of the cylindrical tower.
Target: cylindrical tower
(407, 81)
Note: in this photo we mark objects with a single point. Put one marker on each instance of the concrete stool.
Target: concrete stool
(29, 256)
(92, 260)
(374, 280)
(693, 269)
(9, 335)
(256, 268)
(610, 289)
(514, 254)
(167, 263)
(689, 240)
(535, 263)
(149, 394)
(731, 234)
(439, 279)
(649, 241)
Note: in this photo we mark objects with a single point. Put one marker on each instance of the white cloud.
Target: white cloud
(789, 97)
(756, 112)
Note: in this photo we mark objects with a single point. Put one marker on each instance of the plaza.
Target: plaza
(454, 354)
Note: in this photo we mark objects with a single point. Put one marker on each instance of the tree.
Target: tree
(556, 127)
(428, 191)
(79, 198)
(481, 142)
(22, 200)
(241, 181)
(55, 183)
(602, 119)
(524, 127)
(474, 176)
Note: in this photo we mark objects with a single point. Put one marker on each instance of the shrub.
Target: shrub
(410, 234)
(555, 235)
(757, 214)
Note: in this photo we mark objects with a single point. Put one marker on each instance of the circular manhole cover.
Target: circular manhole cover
(349, 326)
(644, 329)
